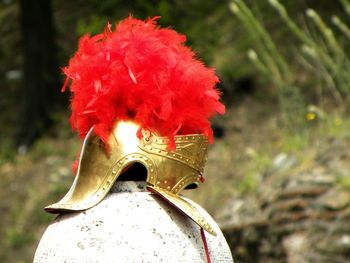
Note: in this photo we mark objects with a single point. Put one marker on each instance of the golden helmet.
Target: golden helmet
(168, 172)
(142, 93)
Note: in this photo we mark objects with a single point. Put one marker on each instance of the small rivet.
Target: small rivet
(158, 183)
(152, 170)
(165, 181)
(168, 188)
(114, 172)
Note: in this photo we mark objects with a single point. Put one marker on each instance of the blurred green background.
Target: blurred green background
(278, 173)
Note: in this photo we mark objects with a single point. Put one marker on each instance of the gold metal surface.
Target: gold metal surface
(184, 206)
(168, 172)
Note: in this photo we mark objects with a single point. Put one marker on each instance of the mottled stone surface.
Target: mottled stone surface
(297, 214)
(129, 225)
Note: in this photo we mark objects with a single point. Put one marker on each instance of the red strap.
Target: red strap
(205, 246)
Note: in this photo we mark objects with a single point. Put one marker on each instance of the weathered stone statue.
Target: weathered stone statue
(141, 101)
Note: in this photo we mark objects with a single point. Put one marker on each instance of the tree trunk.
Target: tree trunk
(41, 80)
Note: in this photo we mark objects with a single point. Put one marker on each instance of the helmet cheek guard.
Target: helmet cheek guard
(168, 172)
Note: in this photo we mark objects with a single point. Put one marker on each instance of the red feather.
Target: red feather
(144, 73)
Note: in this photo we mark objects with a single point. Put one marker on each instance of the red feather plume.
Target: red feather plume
(144, 73)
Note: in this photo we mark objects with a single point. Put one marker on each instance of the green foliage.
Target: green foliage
(344, 181)
(320, 51)
(249, 183)
(7, 152)
(333, 125)
(17, 238)
(260, 161)
(92, 25)
(57, 190)
(204, 23)
(272, 64)
(40, 217)
(295, 142)
(9, 41)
